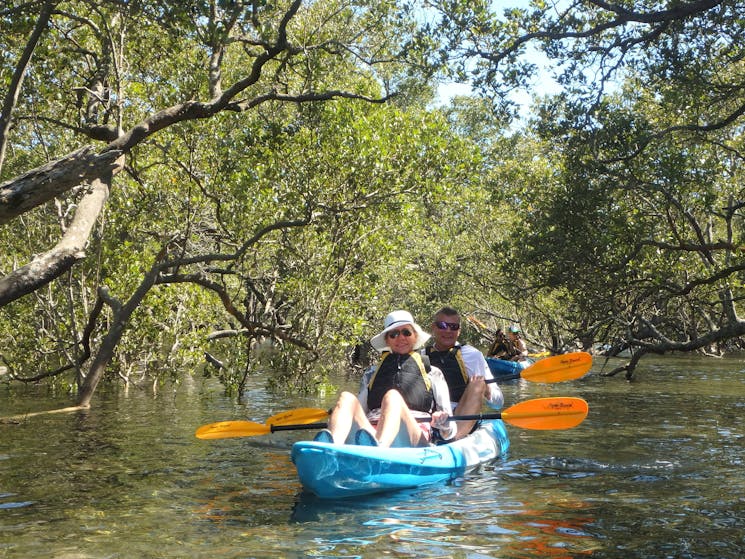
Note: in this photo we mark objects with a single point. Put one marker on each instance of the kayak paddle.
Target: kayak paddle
(558, 368)
(299, 415)
(539, 414)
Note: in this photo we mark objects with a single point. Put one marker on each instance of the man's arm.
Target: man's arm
(476, 366)
(442, 401)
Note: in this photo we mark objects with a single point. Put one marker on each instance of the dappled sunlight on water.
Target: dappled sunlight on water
(477, 516)
(654, 471)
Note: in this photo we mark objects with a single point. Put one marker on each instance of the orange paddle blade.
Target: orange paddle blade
(567, 366)
(476, 322)
(298, 416)
(229, 429)
(547, 413)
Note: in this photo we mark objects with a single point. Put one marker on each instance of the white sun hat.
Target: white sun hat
(394, 320)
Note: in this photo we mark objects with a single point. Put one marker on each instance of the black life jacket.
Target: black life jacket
(451, 363)
(408, 375)
(499, 348)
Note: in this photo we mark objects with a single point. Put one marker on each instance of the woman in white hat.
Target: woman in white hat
(394, 393)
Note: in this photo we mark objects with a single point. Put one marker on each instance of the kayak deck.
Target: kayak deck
(335, 471)
(504, 369)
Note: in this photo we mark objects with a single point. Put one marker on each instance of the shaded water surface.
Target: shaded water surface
(655, 471)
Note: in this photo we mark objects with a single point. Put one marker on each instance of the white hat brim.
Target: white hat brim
(380, 343)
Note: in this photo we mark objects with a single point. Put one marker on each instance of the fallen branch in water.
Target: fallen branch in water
(21, 417)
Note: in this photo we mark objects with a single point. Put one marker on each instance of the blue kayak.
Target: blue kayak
(334, 471)
(504, 369)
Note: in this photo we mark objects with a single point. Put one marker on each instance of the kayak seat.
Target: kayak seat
(323, 436)
(364, 438)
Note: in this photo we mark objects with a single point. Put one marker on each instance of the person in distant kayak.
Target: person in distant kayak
(499, 348)
(518, 347)
(464, 367)
(396, 391)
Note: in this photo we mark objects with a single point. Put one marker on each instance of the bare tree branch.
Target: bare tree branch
(255, 328)
(85, 342)
(14, 90)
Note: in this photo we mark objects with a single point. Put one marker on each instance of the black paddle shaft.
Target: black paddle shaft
(323, 425)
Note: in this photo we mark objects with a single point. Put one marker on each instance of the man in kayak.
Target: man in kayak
(499, 348)
(464, 367)
(400, 389)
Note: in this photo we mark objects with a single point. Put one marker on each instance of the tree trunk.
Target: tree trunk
(69, 250)
(122, 314)
(41, 185)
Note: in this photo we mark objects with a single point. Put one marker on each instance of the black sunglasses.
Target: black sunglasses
(442, 325)
(393, 334)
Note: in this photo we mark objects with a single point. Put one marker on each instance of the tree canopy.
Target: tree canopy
(639, 223)
(242, 186)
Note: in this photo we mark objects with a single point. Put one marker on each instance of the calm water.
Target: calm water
(655, 471)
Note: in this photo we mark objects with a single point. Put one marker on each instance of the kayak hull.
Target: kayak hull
(503, 369)
(333, 471)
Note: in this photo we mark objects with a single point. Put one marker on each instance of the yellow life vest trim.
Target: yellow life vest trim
(417, 358)
(461, 363)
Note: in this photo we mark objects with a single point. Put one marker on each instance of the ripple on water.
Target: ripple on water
(13, 504)
(654, 471)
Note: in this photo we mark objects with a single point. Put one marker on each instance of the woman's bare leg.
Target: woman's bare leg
(393, 414)
(347, 412)
(470, 404)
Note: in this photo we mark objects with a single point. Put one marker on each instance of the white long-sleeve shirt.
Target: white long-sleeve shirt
(476, 366)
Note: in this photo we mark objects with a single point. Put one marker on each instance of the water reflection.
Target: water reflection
(654, 471)
(423, 519)
(7, 504)
(479, 516)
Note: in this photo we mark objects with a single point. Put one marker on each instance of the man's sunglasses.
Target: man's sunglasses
(442, 325)
(393, 334)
